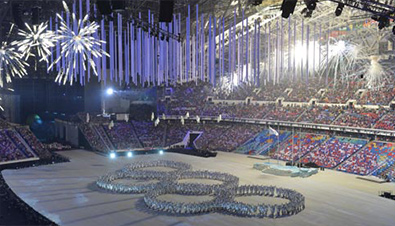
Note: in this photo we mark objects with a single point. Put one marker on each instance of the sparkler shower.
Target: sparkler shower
(11, 62)
(37, 39)
(77, 46)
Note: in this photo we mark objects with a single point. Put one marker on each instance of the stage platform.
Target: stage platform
(66, 194)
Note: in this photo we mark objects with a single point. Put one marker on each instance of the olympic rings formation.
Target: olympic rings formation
(223, 195)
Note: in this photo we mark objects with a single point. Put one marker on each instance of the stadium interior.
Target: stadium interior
(197, 112)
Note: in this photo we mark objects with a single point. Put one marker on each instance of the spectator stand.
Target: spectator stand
(31, 140)
(298, 146)
(334, 151)
(387, 122)
(373, 156)
(262, 143)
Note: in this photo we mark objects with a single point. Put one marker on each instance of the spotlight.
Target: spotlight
(339, 9)
(161, 152)
(288, 7)
(311, 4)
(129, 154)
(110, 91)
(113, 155)
(256, 2)
(383, 22)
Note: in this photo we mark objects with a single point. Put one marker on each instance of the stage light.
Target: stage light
(288, 7)
(113, 155)
(383, 22)
(129, 154)
(311, 4)
(339, 9)
(110, 91)
(256, 2)
(161, 152)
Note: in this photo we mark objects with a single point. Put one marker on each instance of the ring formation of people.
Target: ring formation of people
(223, 194)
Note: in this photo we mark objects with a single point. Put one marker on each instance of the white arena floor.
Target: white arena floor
(66, 194)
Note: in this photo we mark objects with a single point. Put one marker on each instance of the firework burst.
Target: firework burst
(77, 47)
(37, 39)
(11, 63)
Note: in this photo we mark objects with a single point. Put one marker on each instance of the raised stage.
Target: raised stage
(66, 194)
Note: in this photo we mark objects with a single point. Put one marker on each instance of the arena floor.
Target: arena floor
(66, 194)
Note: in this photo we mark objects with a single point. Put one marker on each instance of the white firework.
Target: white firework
(36, 40)
(11, 63)
(76, 46)
(375, 74)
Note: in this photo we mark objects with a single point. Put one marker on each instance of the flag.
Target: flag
(273, 131)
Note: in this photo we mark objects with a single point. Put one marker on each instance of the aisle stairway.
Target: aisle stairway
(15, 137)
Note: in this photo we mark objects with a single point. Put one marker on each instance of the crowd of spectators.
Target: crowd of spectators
(379, 96)
(8, 150)
(93, 138)
(19, 144)
(334, 151)
(364, 118)
(33, 142)
(122, 135)
(289, 113)
(149, 134)
(341, 92)
(233, 137)
(369, 158)
(320, 115)
(301, 91)
(294, 148)
(387, 122)
(103, 135)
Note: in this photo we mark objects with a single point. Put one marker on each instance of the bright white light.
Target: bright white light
(129, 154)
(110, 91)
(37, 37)
(339, 47)
(113, 155)
(11, 62)
(78, 47)
(161, 152)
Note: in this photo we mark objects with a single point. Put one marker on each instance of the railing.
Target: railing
(335, 128)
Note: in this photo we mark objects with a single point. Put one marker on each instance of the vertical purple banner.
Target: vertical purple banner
(209, 51)
(197, 42)
(301, 58)
(202, 74)
(307, 53)
(314, 41)
(327, 60)
(289, 47)
(258, 55)
(294, 54)
(188, 45)
(247, 51)
(120, 47)
(214, 51)
(276, 80)
(269, 75)
(223, 47)
(104, 48)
